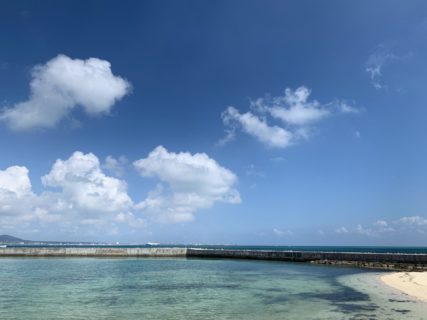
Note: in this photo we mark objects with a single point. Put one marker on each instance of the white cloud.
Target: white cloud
(14, 181)
(413, 221)
(16, 196)
(61, 85)
(44, 216)
(130, 219)
(272, 136)
(230, 135)
(411, 225)
(281, 233)
(381, 223)
(78, 197)
(19, 206)
(379, 228)
(193, 182)
(86, 187)
(341, 230)
(115, 166)
(377, 62)
(344, 107)
(84, 198)
(293, 109)
(361, 230)
(375, 74)
(251, 170)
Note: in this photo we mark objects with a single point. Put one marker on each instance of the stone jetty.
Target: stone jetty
(390, 261)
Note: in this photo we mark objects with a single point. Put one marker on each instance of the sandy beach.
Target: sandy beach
(411, 283)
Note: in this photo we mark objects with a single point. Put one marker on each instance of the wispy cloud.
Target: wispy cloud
(404, 226)
(295, 111)
(251, 170)
(278, 159)
(341, 230)
(293, 108)
(378, 61)
(272, 136)
(282, 232)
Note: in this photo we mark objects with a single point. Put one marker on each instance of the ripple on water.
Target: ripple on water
(125, 289)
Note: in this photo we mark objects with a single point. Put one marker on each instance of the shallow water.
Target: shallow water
(80, 288)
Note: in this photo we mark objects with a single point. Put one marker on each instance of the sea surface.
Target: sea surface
(145, 288)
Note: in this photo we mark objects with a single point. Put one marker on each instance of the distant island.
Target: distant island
(11, 240)
(5, 238)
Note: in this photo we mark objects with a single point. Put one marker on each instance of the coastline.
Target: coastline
(413, 284)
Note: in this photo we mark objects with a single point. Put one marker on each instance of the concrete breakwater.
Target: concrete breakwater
(91, 252)
(391, 261)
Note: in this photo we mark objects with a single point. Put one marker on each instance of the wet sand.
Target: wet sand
(411, 283)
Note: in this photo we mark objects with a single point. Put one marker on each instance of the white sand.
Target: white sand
(411, 283)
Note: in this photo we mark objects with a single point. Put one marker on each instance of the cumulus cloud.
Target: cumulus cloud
(77, 194)
(14, 182)
(79, 197)
(85, 186)
(272, 136)
(19, 206)
(130, 219)
(62, 84)
(16, 196)
(188, 182)
(294, 110)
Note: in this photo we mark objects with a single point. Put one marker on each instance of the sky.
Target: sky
(214, 122)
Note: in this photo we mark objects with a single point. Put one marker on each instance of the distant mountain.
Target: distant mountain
(10, 239)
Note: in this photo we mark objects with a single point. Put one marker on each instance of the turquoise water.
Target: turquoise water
(90, 288)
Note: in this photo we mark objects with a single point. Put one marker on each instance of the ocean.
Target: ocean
(165, 288)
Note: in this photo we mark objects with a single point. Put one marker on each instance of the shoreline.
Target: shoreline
(413, 284)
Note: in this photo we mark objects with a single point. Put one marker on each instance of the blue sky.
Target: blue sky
(248, 122)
